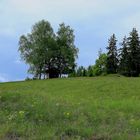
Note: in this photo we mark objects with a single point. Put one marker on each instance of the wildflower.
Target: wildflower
(21, 112)
(68, 114)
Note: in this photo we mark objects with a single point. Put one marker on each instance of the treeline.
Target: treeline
(49, 54)
(124, 60)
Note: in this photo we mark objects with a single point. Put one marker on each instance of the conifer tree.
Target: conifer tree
(134, 52)
(124, 58)
(112, 61)
(90, 71)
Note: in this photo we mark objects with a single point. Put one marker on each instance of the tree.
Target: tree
(73, 74)
(67, 52)
(35, 47)
(134, 53)
(48, 53)
(85, 73)
(80, 71)
(124, 58)
(100, 65)
(112, 61)
(90, 71)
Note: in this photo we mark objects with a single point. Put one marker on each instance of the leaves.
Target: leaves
(49, 53)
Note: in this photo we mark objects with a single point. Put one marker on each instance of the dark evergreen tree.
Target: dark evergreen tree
(90, 71)
(124, 58)
(112, 60)
(84, 72)
(80, 71)
(134, 53)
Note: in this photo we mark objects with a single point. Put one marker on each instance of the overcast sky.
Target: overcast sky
(93, 21)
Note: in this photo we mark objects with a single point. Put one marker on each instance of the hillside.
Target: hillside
(103, 108)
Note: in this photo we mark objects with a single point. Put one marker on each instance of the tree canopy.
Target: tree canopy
(51, 54)
(112, 61)
(47, 53)
(130, 55)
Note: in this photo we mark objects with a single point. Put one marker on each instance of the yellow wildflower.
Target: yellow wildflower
(68, 113)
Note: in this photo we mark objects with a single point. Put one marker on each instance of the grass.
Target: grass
(103, 108)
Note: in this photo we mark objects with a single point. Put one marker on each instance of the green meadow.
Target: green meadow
(98, 108)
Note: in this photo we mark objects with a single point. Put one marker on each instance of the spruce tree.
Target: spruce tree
(112, 61)
(90, 71)
(124, 58)
(134, 52)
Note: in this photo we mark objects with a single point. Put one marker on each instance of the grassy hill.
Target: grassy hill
(103, 108)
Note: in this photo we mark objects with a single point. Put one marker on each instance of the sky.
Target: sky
(93, 21)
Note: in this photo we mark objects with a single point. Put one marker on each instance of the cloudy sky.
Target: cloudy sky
(94, 21)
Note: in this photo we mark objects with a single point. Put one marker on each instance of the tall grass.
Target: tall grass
(103, 108)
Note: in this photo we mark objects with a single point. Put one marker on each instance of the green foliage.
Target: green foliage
(80, 71)
(134, 52)
(96, 70)
(90, 71)
(130, 55)
(35, 48)
(85, 72)
(71, 109)
(112, 61)
(125, 61)
(67, 52)
(48, 53)
(124, 58)
(100, 66)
